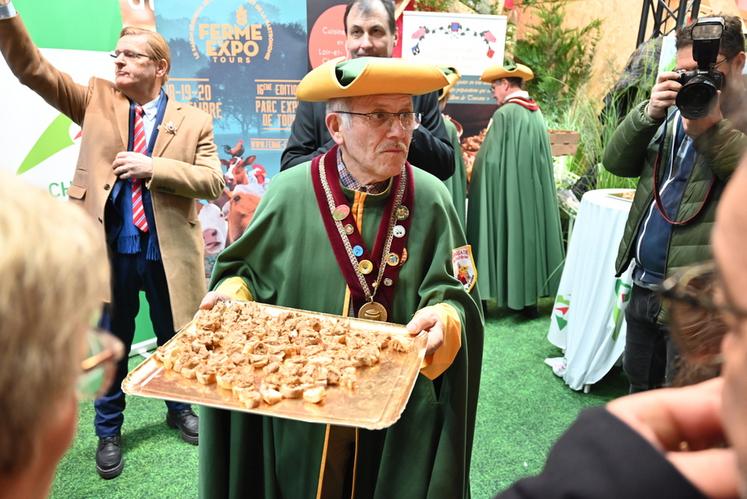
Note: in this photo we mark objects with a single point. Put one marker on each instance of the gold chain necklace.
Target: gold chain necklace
(371, 309)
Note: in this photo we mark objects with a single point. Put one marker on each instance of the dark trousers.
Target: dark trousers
(130, 274)
(650, 356)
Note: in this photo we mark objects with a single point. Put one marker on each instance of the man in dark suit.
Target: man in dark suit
(144, 159)
(370, 30)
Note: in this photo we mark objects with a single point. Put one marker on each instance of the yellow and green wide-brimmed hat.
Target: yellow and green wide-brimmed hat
(453, 76)
(509, 69)
(341, 78)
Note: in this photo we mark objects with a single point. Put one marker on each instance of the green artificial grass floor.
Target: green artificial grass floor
(523, 409)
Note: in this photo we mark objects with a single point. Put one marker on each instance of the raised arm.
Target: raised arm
(625, 153)
(28, 65)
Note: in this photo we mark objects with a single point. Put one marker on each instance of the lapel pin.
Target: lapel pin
(170, 127)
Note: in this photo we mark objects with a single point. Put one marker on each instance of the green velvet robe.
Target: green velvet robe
(457, 183)
(513, 222)
(286, 259)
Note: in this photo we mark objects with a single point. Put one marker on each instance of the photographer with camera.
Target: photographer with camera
(683, 143)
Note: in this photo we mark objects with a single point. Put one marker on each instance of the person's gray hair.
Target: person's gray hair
(54, 278)
(340, 104)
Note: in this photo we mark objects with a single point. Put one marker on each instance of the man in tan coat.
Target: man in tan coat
(144, 158)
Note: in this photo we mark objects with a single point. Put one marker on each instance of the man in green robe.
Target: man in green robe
(513, 223)
(457, 183)
(290, 256)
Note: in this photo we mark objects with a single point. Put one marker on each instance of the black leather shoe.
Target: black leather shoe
(109, 463)
(187, 422)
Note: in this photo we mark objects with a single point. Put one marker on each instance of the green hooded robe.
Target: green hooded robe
(286, 259)
(513, 223)
(457, 183)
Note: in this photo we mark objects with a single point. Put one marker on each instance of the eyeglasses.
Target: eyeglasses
(718, 63)
(409, 121)
(92, 376)
(695, 286)
(128, 54)
(697, 309)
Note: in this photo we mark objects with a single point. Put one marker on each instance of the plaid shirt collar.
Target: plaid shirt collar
(350, 183)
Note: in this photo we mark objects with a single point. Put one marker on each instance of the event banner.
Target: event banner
(326, 38)
(240, 61)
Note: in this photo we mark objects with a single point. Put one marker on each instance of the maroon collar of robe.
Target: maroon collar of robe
(525, 103)
(385, 294)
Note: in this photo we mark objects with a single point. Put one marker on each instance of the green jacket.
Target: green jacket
(632, 152)
(286, 259)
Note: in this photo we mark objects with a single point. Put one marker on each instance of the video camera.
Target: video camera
(697, 96)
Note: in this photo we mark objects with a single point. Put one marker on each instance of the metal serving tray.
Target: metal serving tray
(377, 402)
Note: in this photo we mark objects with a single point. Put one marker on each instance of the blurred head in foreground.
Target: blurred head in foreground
(730, 296)
(53, 277)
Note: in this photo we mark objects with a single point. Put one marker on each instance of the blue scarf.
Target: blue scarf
(129, 239)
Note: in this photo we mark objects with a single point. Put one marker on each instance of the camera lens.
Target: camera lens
(696, 98)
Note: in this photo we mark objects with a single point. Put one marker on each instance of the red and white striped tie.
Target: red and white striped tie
(139, 145)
